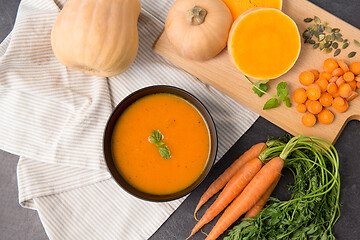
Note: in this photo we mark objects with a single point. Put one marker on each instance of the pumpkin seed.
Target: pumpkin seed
(335, 30)
(327, 50)
(335, 45)
(338, 34)
(328, 38)
(312, 26)
(316, 34)
(325, 23)
(345, 45)
(346, 40)
(311, 41)
(337, 52)
(327, 44)
(357, 43)
(306, 34)
(321, 45)
(328, 29)
(317, 20)
(321, 28)
(333, 37)
(308, 20)
(321, 37)
(339, 39)
(352, 54)
(316, 45)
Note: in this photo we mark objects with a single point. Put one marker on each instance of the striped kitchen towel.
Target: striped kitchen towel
(54, 117)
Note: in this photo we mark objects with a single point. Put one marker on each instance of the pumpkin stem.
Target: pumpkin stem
(196, 15)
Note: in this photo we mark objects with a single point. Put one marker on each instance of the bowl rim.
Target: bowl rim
(212, 135)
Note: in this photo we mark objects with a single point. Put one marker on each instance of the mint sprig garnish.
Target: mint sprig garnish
(282, 93)
(156, 138)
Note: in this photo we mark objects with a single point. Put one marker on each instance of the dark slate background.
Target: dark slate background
(19, 223)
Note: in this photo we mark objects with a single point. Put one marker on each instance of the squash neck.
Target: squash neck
(196, 15)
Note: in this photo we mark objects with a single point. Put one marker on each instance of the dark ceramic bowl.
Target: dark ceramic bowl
(127, 102)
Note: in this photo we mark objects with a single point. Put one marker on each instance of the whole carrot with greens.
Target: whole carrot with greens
(224, 178)
(232, 189)
(262, 201)
(313, 208)
(249, 196)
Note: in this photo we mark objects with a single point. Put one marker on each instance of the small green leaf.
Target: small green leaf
(156, 137)
(164, 152)
(281, 85)
(281, 91)
(287, 102)
(308, 20)
(271, 103)
(260, 85)
(352, 54)
(357, 43)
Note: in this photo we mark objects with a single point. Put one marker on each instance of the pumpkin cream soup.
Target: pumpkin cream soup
(176, 160)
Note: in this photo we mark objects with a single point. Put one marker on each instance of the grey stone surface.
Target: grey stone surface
(19, 223)
(15, 222)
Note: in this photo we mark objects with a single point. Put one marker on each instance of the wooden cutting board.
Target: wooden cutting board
(220, 73)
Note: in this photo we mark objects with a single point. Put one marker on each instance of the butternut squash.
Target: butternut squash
(264, 43)
(198, 29)
(237, 7)
(98, 37)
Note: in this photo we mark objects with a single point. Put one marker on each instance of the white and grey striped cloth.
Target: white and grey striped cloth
(54, 119)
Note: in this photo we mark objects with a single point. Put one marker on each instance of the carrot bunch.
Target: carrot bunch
(335, 86)
(248, 183)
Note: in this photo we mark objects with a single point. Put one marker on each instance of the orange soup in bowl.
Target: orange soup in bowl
(174, 162)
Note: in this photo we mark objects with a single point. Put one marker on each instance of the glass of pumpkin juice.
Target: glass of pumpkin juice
(161, 144)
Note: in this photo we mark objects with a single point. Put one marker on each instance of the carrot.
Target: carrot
(232, 189)
(262, 201)
(248, 197)
(224, 178)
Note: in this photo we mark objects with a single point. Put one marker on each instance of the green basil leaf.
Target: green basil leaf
(260, 85)
(281, 91)
(271, 103)
(156, 137)
(164, 152)
(287, 102)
